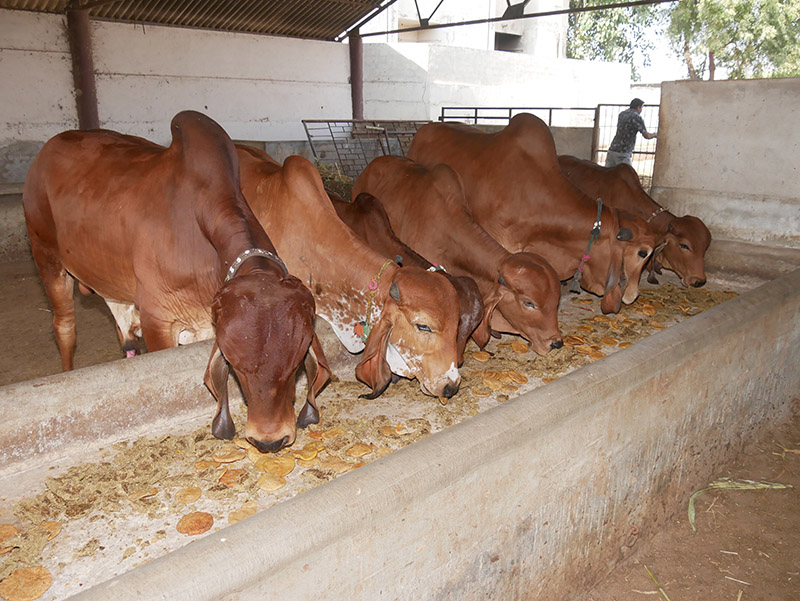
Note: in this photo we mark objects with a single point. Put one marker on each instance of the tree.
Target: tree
(748, 38)
(613, 35)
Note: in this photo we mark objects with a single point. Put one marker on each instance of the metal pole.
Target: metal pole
(596, 135)
(357, 74)
(80, 44)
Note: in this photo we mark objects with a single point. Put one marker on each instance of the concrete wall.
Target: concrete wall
(257, 87)
(534, 498)
(413, 81)
(728, 153)
(37, 96)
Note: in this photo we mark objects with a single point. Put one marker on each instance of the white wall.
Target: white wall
(37, 93)
(413, 81)
(256, 87)
(729, 153)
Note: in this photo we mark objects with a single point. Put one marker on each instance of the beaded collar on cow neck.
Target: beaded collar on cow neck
(575, 286)
(655, 214)
(253, 252)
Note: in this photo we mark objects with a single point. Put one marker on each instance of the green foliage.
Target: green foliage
(747, 38)
(616, 34)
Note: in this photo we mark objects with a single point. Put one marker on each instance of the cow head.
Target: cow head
(415, 334)
(683, 249)
(638, 242)
(264, 330)
(524, 301)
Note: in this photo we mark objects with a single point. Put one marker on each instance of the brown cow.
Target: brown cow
(367, 218)
(405, 319)
(426, 208)
(681, 242)
(516, 191)
(166, 236)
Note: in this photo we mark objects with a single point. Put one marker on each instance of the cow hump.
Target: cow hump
(203, 144)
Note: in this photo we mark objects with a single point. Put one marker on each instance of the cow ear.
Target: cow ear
(216, 379)
(318, 373)
(373, 370)
(657, 251)
(612, 299)
(624, 234)
(471, 308)
(483, 331)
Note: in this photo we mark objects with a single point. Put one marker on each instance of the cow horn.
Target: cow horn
(624, 234)
(394, 292)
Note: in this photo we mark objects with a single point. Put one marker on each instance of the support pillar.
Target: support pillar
(357, 74)
(80, 45)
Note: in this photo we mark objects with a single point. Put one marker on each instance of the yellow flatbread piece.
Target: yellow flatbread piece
(26, 584)
(195, 523)
(189, 494)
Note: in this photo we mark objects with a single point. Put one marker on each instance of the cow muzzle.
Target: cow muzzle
(450, 390)
(269, 447)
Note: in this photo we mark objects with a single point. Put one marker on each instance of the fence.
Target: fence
(602, 119)
(644, 153)
(351, 144)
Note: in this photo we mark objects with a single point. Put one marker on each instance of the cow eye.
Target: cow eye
(684, 247)
(422, 327)
(643, 253)
(529, 304)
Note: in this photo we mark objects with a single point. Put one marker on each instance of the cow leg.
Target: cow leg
(59, 285)
(158, 333)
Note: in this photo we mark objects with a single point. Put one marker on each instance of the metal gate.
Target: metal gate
(353, 144)
(602, 119)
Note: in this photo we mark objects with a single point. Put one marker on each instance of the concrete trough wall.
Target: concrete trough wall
(531, 499)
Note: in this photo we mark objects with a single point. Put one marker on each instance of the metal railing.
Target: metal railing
(353, 144)
(602, 119)
(644, 153)
(553, 116)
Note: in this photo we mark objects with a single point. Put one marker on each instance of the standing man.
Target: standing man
(630, 121)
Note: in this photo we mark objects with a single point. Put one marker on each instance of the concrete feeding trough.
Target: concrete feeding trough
(536, 496)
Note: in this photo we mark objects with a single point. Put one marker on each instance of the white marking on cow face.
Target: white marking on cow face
(397, 362)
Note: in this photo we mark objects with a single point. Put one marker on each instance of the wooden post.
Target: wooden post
(357, 74)
(80, 45)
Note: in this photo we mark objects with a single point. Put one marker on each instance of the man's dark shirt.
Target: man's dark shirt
(629, 122)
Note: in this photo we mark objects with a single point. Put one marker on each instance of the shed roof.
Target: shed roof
(307, 19)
